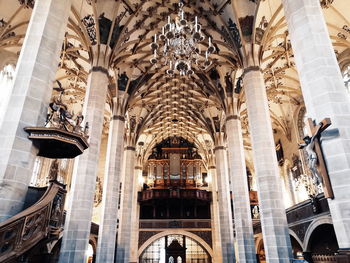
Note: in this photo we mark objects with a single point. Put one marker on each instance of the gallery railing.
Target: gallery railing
(174, 223)
(150, 194)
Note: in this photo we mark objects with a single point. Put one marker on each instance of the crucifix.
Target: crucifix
(315, 157)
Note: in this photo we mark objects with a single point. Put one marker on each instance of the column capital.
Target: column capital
(138, 167)
(251, 68)
(220, 147)
(232, 117)
(99, 69)
(130, 148)
(118, 117)
(212, 167)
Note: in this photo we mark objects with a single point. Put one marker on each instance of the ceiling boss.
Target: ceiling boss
(178, 46)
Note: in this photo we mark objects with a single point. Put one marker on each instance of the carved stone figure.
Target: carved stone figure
(54, 170)
(60, 117)
(234, 32)
(255, 212)
(239, 85)
(228, 81)
(123, 81)
(57, 209)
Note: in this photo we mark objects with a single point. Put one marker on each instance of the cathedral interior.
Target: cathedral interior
(166, 131)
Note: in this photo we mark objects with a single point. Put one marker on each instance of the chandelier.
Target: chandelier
(178, 46)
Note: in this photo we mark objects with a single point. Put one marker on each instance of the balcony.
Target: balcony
(174, 223)
(153, 194)
(301, 215)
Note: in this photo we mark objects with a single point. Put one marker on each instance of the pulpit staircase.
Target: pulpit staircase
(40, 223)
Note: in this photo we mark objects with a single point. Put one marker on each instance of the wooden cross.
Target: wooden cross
(315, 132)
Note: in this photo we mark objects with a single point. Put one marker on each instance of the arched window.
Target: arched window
(35, 181)
(6, 81)
(156, 252)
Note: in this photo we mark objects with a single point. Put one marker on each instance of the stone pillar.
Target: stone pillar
(134, 240)
(78, 221)
(214, 212)
(273, 216)
(112, 178)
(125, 222)
(35, 72)
(325, 96)
(226, 228)
(240, 194)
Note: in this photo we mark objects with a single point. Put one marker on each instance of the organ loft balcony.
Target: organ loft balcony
(176, 185)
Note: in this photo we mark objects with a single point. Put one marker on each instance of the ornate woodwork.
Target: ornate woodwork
(150, 194)
(44, 219)
(174, 223)
(57, 143)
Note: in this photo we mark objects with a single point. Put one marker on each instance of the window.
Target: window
(6, 81)
(35, 181)
(156, 252)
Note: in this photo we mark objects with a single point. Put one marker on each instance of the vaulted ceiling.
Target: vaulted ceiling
(157, 105)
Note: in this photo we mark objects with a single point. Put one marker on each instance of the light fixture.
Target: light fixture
(178, 45)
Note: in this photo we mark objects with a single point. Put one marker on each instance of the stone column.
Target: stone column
(125, 222)
(134, 240)
(112, 178)
(214, 213)
(273, 217)
(78, 221)
(240, 194)
(325, 96)
(35, 72)
(226, 228)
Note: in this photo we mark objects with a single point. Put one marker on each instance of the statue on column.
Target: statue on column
(239, 85)
(315, 158)
(309, 145)
(60, 117)
(54, 170)
(123, 80)
(228, 81)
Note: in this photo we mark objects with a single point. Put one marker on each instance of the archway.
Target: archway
(296, 248)
(323, 244)
(161, 250)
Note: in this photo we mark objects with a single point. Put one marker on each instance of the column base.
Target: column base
(343, 256)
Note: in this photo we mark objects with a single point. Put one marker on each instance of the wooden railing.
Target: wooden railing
(323, 258)
(44, 219)
(150, 194)
(175, 223)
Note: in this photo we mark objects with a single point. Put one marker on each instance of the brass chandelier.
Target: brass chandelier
(178, 46)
